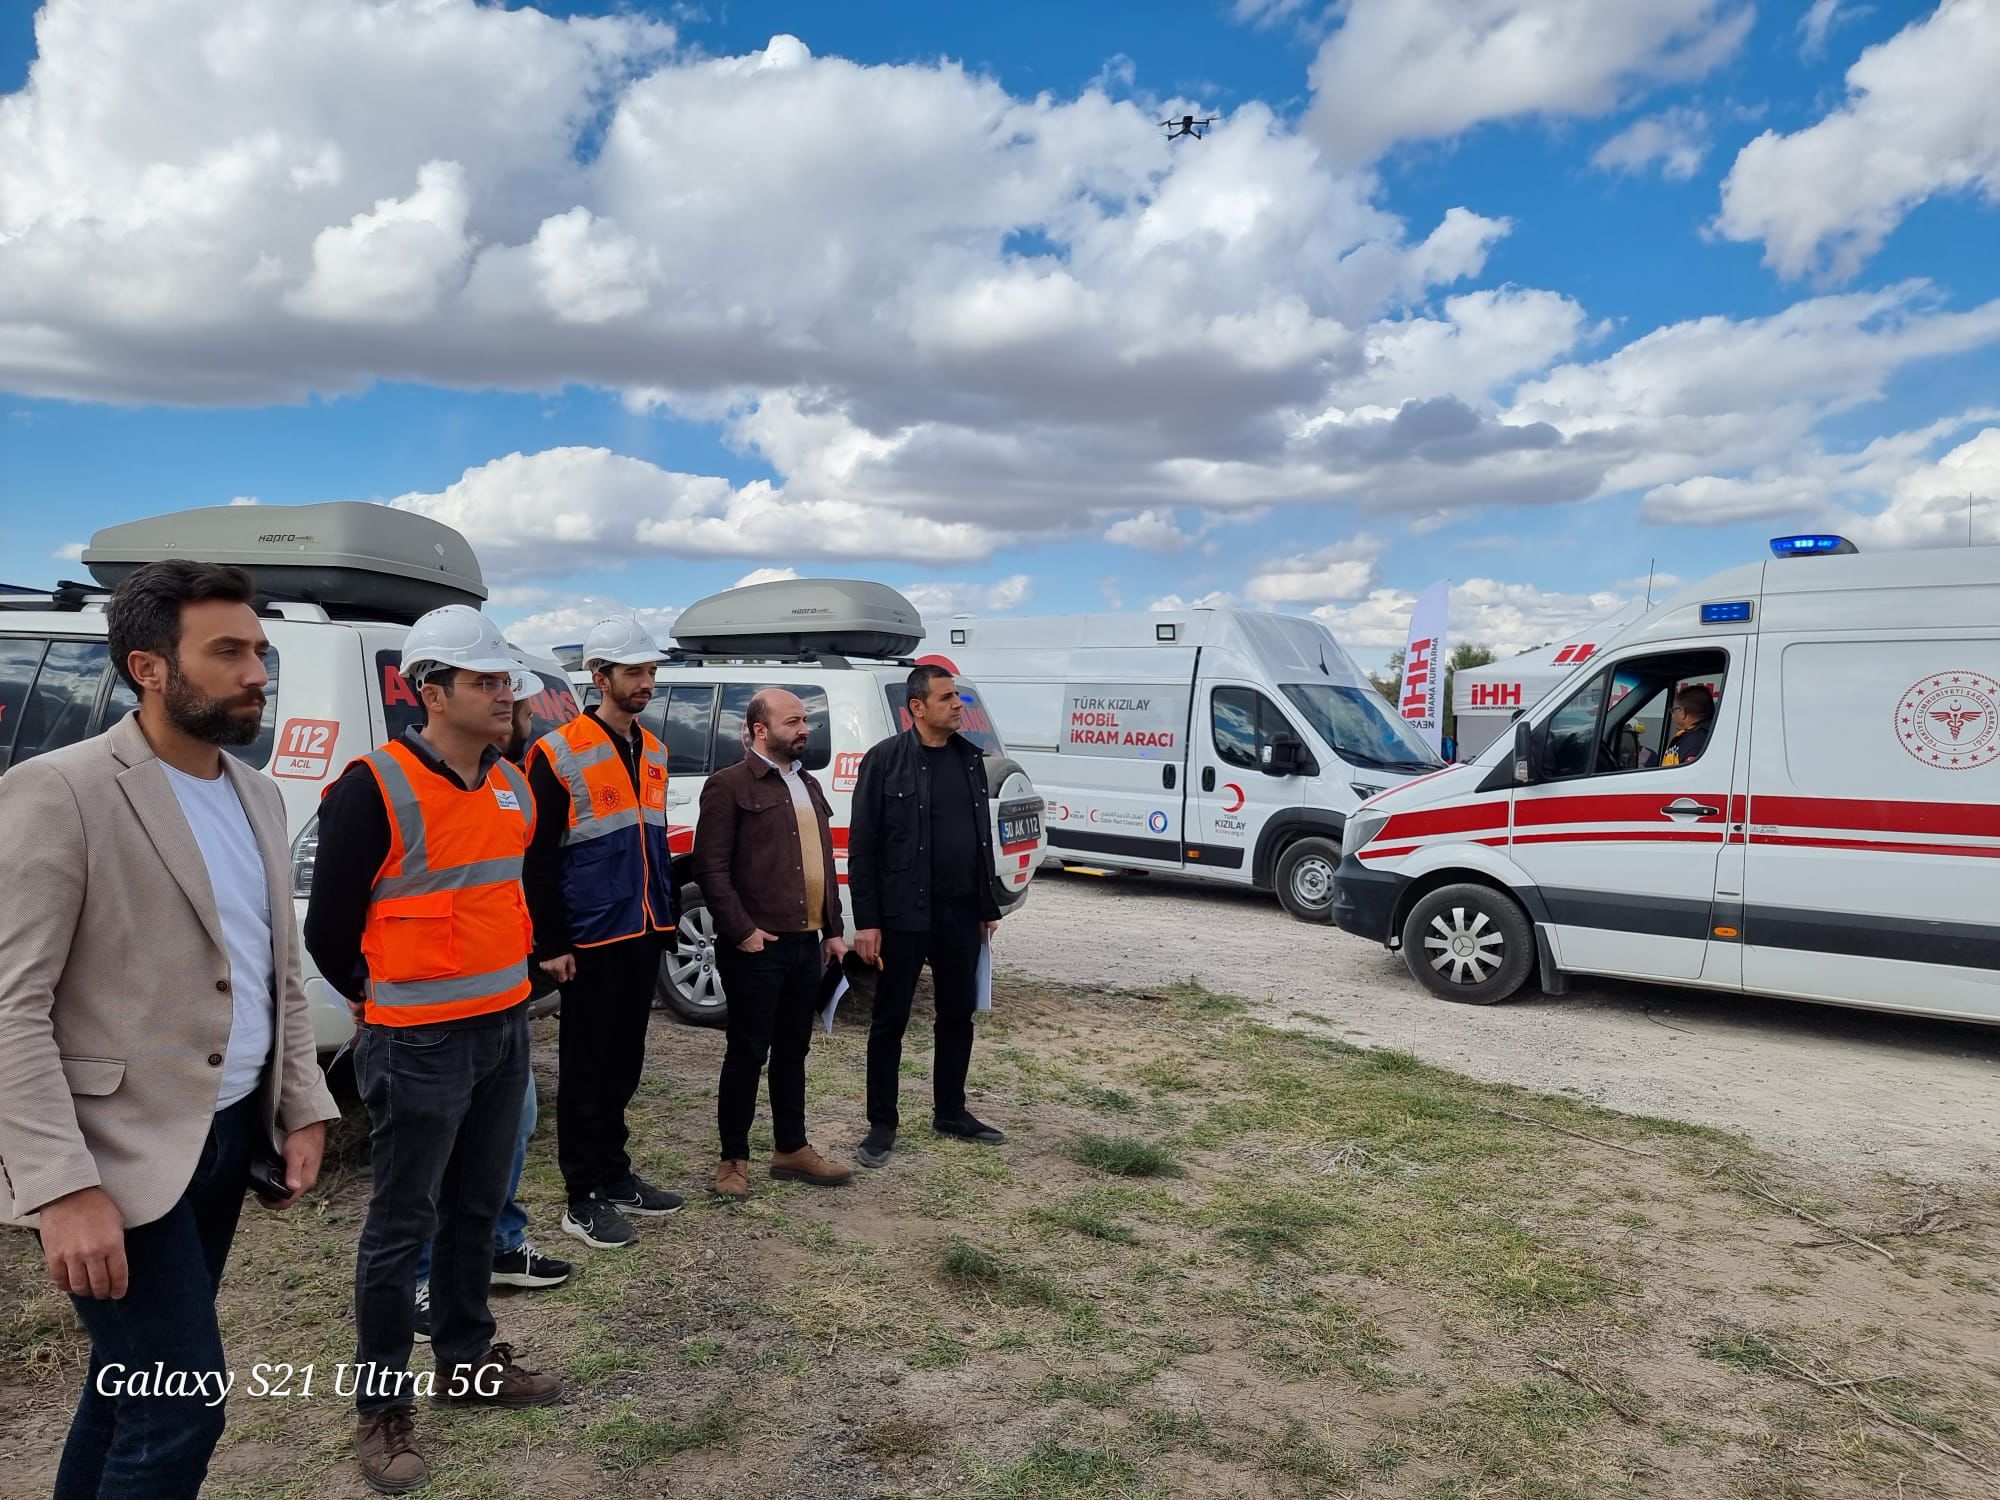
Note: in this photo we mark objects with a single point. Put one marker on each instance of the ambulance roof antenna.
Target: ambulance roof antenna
(1651, 562)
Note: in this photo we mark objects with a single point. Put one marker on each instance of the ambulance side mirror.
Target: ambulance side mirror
(1282, 756)
(1527, 755)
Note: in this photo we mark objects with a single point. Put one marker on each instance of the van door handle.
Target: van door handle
(1167, 777)
(1208, 778)
(1687, 807)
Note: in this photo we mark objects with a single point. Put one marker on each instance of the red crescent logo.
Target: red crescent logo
(1093, 815)
(1237, 805)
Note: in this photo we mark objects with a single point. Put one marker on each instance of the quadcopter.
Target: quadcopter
(1186, 125)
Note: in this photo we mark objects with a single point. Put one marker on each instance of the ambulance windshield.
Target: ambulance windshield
(1358, 727)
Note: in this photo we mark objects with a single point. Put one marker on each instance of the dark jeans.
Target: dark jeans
(444, 1106)
(951, 947)
(773, 1002)
(602, 1051)
(510, 1231)
(126, 1447)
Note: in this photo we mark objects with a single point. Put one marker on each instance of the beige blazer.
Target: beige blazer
(114, 983)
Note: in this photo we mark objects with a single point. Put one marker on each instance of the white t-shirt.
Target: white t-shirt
(243, 900)
(793, 781)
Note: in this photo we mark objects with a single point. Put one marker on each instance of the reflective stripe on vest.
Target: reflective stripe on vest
(449, 894)
(620, 889)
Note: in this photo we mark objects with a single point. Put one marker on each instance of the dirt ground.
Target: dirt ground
(1216, 1258)
(1847, 1089)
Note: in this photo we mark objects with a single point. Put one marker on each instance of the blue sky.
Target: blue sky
(1533, 294)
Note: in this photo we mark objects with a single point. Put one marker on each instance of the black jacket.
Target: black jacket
(889, 841)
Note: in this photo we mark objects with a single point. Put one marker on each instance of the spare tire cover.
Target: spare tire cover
(1011, 798)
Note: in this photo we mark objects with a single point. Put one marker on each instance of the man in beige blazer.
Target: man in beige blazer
(154, 1037)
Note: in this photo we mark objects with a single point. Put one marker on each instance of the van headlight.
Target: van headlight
(1362, 827)
(305, 850)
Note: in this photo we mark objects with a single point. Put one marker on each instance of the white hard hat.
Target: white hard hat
(620, 639)
(525, 683)
(456, 636)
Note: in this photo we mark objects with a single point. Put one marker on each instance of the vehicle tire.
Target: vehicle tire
(690, 984)
(1005, 780)
(1469, 943)
(1304, 878)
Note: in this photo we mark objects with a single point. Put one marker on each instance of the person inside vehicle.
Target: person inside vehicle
(1694, 713)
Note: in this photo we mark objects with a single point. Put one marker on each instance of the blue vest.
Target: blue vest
(617, 873)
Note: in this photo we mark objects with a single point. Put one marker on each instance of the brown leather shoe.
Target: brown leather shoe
(732, 1180)
(497, 1381)
(807, 1165)
(384, 1441)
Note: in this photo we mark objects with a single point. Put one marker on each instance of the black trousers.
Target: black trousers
(157, 1447)
(601, 1051)
(444, 1109)
(773, 1002)
(951, 947)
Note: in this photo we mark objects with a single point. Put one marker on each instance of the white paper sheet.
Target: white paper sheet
(982, 984)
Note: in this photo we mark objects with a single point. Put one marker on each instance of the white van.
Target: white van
(1835, 840)
(1231, 744)
(854, 699)
(335, 690)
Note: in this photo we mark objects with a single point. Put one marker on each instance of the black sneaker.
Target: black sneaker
(967, 1128)
(598, 1225)
(528, 1267)
(876, 1146)
(635, 1195)
(423, 1312)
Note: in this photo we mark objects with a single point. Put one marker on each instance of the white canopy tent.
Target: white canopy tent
(1485, 700)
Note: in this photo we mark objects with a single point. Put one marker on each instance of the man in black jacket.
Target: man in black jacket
(920, 875)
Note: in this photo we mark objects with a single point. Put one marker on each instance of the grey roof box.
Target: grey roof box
(802, 617)
(346, 556)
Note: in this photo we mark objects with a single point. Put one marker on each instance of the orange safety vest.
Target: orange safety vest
(447, 934)
(617, 871)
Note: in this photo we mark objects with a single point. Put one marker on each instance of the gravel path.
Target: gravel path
(1844, 1088)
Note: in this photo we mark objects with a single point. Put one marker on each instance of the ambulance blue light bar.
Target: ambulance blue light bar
(1734, 613)
(1811, 545)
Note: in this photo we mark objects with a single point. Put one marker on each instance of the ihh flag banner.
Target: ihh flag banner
(1422, 700)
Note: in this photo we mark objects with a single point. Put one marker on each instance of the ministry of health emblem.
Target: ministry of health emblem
(1951, 720)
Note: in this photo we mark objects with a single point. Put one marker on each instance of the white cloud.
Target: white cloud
(1345, 570)
(1920, 118)
(766, 575)
(1415, 70)
(1214, 599)
(1675, 141)
(1820, 20)
(517, 596)
(245, 500)
(395, 262)
(1508, 617)
(936, 599)
(69, 552)
(540, 513)
(1149, 531)
(567, 624)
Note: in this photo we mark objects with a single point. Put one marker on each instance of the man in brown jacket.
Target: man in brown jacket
(154, 1037)
(764, 860)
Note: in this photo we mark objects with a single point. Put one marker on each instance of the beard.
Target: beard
(631, 703)
(213, 721)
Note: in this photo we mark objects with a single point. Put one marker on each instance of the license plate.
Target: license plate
(1026, 829)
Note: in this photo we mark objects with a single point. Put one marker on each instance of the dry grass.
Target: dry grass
(1215, 1259)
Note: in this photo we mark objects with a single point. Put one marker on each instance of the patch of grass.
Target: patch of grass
(1123, 1156)
(938, 1351)
(1739, 1347)
(1080, 1217)
(629, 1441)
(973, 1265)
(1166, 1075)
(1198, 1000)
(897, 1439)
(1057, 1471)
(600, 1364)
(1308, 1461)
(1111, 1101)
(1090, 1390)
(699, 1351)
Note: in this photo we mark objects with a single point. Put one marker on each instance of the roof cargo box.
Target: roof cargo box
(802, 617)
(346, 556)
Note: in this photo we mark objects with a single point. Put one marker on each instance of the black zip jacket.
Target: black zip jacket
(889, 840)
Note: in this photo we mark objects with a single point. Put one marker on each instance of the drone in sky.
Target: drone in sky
(1186, 125)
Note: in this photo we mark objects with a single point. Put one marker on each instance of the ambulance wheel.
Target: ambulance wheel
(690, 982)
(1304, 878)
(1469, 943)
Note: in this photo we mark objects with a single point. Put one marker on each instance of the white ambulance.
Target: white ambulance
(1225, 743)
(843, 646)
(1834, 840)
(339, 585)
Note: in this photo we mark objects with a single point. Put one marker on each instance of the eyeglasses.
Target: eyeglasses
(488, 683)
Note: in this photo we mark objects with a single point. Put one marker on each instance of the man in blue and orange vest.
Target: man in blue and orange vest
(600, 887)
(417, 916)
